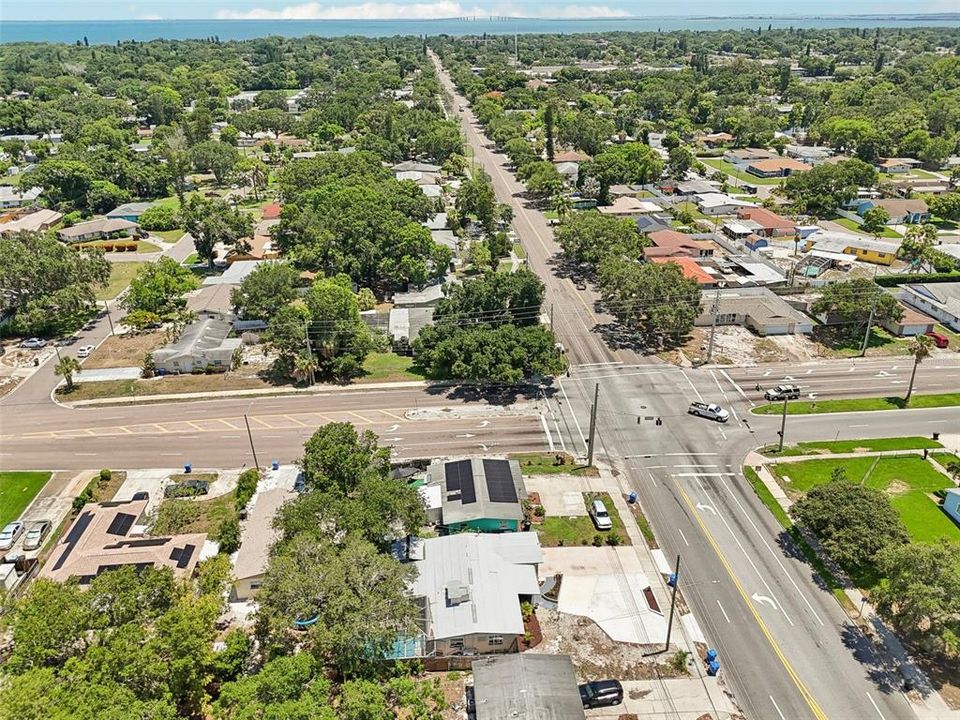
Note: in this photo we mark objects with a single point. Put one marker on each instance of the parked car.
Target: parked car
(84, 351)
(711, 411)
(580, 285)
(600, 516)
(33, 343)
(36, 535)
(601, 693)
(141, 495)
(10, 534)
(941, 341)
(783, 392)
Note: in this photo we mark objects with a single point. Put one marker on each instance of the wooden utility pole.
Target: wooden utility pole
(593, 424)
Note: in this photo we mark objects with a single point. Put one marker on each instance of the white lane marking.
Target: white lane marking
(777, 708)
(808, 371)
(618, 375)
(685, 541)
(693, 465)
(725, 616)
(229, 437)
(763, 600)
(722, 433)
(875, 707)
(597, 364)
(936, 422)
(556, 425)
(705, 474)
(690, 383)
(857, 426)
(717, 381)
(573, 414)
(85, 454)
(171, 454)
(546, 431)
(735, 386)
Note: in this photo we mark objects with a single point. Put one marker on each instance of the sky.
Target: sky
(432, 9)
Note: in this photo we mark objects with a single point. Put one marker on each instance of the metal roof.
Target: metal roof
(526, 687)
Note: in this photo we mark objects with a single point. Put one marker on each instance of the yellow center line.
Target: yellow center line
(804, 692)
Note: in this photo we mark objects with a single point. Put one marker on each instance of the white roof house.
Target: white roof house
(720, 204)
(939, 300)
(627, 206)
(11, 196)
(258, 535)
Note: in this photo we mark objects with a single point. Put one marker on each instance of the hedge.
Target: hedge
(894, 280)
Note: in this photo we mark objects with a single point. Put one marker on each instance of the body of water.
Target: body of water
(110, 31)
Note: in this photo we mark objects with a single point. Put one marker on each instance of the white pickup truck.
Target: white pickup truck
(709, 411)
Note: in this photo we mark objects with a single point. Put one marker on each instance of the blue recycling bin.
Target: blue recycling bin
(631, 497)
(713, 667)
(275, 465)
(672, 579)
(711, 655)
(188, 468)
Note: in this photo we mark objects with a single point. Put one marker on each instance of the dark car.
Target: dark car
(601, 693)
(141, 495)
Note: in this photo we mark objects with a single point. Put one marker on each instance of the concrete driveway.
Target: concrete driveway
(560, 495)
(678, 699)
(611, 587)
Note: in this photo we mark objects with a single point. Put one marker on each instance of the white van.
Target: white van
(601, 518)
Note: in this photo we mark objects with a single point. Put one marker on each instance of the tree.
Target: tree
(103, 196)
(339, 339)
(917, 246)
(476, 197)
(291, 687)
(852, 522)
(542, 178)
(826, 187)
(875, 220)
(176, 152)
(548, 129)
(287, 333)
(590, 237)
(920, 593)
(163, 105)
(946, 205)
(159, 288)
(849, 303)
(67, 367)
(520, 152)
(159, 217)
(336, 456)
(65, 182)
(46, 285)
(562, 205)
(216, 157)
(212, 222)
(680, 161)
(920, 348)
(264, 291)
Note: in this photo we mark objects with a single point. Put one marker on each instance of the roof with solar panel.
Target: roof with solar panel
(477, 489)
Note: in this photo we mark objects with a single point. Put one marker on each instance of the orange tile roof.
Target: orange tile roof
(776, 164)
(689, 267)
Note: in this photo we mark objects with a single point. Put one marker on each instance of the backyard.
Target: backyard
(852, 225)
(121, 273)
(579, 530)
(742, 175)
(17, 491)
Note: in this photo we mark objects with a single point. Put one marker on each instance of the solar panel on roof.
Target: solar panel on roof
(121, 524)
(182, 555)
(500, 485)
(454, 472)
(73, 537)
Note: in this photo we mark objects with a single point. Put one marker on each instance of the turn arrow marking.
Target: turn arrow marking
(703, 506)
(484, 447)
(763, 599)
(484, 423)
(466, 435)
(393, 428)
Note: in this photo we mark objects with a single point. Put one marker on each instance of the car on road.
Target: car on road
(711, 411)
(601, 693)
(600, 516)
(84, 351)
(37, 534)
(33, 343)
(783, 392)
(10, 534)
(941, 341)
(580, 285)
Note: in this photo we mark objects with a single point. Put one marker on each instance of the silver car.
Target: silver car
(36, 535)
(10, 534)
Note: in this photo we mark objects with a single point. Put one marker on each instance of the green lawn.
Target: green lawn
(907, 480)
(546, 464)
(580, 530)
(741, 175)
(519, 251)
(389, 367)
(839, 344)
(170, 236)
(17, 490)
(815, 407)
(851, 225)
(121, 273)
(191, 259)
(851, 446)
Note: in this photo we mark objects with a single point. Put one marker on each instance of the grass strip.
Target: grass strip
(816, 407)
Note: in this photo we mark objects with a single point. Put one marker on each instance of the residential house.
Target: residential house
(621, 190)
(202, 345)
(690, 269)
(766, 222)
(744, 156)
(902, 211)
(405, 323)
(416, 166)
(688, 188)
(479, 494)
(650, 224)
(528, 686)
(720, 204)
(777, 167)
(951, 504)
(570, 172)
(717, 139)
(12, 196)
(420, 177)
(37, 221)
(736, 231)
(755, 308)
(258, 535)
(861, 247)
(629, 207)
(130, 211)
(809, 154)
(742, 271)
(428, 296)
(261, 245)
(99, 229)
(670, 243)
(895, 166)
(911, 323)
(110, 535)
(939, 300)
(570, 156)
(470, 587)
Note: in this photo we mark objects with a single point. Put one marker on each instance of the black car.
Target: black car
(601, 693)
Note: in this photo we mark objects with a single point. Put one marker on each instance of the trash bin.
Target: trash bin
(713, 667)
(631, 497)
(711, 655)
(188, 468)
(936, 436)
(672, 579)
(275, 465)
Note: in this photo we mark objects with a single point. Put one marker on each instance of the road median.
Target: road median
(866, 404)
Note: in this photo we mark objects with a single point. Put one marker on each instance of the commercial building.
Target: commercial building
(757, 309)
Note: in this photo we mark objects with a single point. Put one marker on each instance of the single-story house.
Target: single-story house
(939, 300)
(527, 686)
(470, 586)
(570, 156)
(415, 166)
(901, 210)
(418, 176)
(258, 535)
(479, 494)
(716, 139)
(570, 171)
(202, 344)
(897, 165)
(130, 211)
(106, 536)
(715, 203)
(766, 222)
(755, 308)
(736, 230)
(261, 244)
(12, 196)
(405, 323)
(437, 222)
(690, 268)
(912, 323)
(777, 167)
(621, 190)
(426, 297)
(99, 229)
(687, 188)
(951, 504)
(861, 247)
(745, 156)
(809, 154)
(650, 224)
(36, 221)
(670, 243)
(629, 207)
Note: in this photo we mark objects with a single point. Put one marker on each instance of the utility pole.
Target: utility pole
(109, 319)
(783, 424)
(593, 424)
(57, 350)
(306, 337)
(713, 327)
(673, 603)
(866, 336)
(250, 438)
(551, 317)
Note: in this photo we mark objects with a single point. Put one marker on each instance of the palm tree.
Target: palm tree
(562, 205)
(920, 349)
(67, 367)
(303, 367)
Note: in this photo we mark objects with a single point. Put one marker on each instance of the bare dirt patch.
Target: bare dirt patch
(897, 487)
(125, 350)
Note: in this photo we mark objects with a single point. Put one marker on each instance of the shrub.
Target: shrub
(107, 247)
(148, 368)
(159, 217)
(539, 511)
(228, 535)
(613, 539)
(598, 540)
(526, 609)
(174, 515)
(105, 475)
(678, 661)
(246, 487)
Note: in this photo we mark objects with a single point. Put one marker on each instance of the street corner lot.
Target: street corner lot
(560, 495)
(610, 586)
